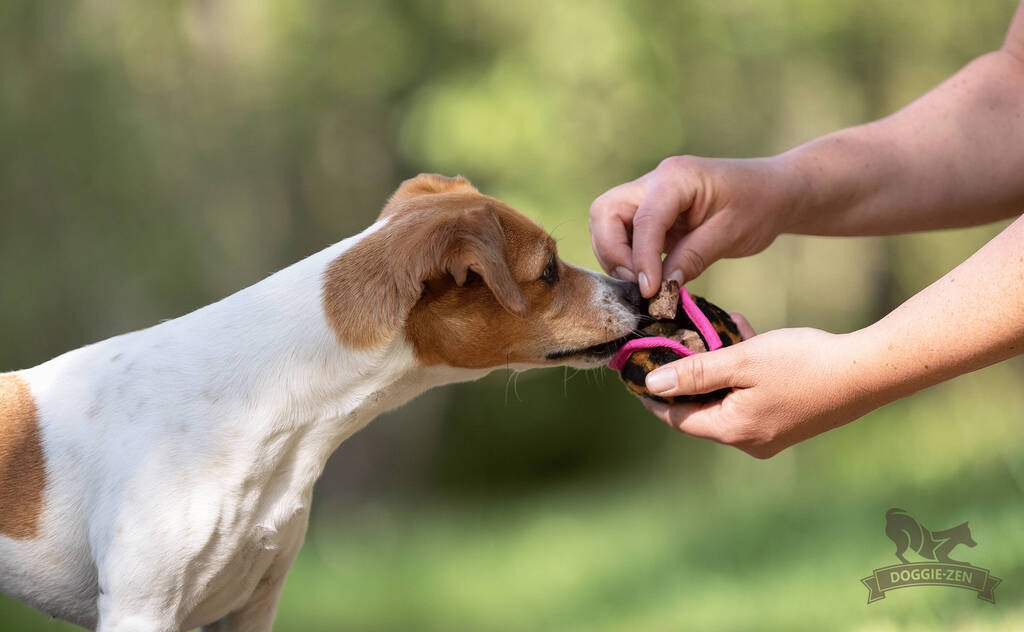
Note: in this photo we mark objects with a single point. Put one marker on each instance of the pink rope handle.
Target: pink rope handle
(651, 342)
(704, 326)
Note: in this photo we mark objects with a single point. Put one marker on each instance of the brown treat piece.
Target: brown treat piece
(663, 305)
(691, 340)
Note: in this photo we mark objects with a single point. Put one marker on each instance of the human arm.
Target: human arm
(950, 158)
(792, 384)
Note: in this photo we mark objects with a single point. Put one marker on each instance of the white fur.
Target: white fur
(181, 458)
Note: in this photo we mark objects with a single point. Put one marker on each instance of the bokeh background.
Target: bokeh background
(157, 156)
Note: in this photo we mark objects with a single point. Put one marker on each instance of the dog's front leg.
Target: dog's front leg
(114, 618)
(122, 609)
(257, 615)
(135, 601)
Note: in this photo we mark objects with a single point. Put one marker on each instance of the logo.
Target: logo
(907, 534)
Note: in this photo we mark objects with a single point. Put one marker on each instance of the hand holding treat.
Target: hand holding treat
(682, 326)
(881, 178)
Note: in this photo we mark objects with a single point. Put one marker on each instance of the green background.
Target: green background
(155, 157)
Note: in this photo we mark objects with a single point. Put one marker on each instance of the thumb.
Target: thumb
(699, 373)
(694, 252)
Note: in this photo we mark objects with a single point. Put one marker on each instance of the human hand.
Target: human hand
(788, 385)
(697, 210)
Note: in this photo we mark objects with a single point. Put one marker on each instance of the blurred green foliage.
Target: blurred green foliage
(157, 156)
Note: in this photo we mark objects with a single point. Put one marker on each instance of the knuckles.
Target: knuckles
(674, 164)
(604, 205)
(646, 219)
(598, 208)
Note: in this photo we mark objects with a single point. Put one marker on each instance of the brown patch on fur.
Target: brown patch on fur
(462, 327)
(432, 233)
(22, 467)
(462, 272)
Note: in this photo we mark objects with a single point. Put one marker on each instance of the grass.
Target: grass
(705, 540)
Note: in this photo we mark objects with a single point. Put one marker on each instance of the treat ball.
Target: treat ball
(684, 331)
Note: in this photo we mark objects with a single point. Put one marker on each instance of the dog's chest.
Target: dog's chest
(247, 560)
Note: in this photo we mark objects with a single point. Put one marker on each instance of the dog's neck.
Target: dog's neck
(277, 357)
(256, 383)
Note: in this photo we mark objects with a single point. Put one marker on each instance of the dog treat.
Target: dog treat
(663, 305)
(696, 328)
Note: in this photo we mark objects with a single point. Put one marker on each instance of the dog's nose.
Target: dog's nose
(630, 292)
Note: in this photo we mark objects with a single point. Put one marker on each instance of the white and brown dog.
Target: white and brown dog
(161, 480)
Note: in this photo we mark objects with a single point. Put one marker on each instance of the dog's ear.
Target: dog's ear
(423, 184)
(370, 289)
(476, 243)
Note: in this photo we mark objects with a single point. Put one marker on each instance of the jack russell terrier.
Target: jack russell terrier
(161, 480)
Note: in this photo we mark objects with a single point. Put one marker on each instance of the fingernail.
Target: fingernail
(661, 380)
(645, 284)
(676, 275)
(623, 273)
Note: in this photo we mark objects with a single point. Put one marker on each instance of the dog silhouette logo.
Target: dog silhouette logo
(936, 546)
(931, 545)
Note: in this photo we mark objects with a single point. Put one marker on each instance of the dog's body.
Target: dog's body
(161, 480)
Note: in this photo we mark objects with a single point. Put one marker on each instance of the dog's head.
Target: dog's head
(960, 534)
(472, 283)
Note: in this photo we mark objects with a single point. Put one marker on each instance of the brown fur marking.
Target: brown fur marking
(22, 467)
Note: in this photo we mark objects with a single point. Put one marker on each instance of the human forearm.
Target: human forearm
(970, 318)
(952, 158)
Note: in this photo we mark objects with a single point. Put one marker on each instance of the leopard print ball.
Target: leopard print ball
(643, 361)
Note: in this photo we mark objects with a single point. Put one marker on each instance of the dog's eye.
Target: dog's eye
(550, 274)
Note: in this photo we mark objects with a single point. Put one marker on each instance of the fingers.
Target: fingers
(708, 421)
(656, 214)
(746, 330)
(611, 219)
(610, 241)
(700, 373)
(648, 207)
(697, 420)
(695, 251)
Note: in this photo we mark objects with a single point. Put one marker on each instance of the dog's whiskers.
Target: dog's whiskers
(511, 374)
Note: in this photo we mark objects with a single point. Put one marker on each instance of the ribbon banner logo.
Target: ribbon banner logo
(907, 534)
